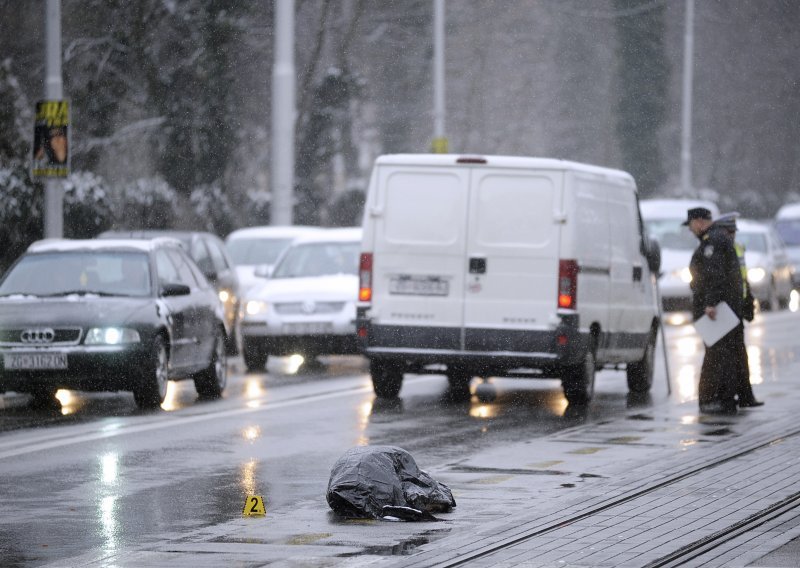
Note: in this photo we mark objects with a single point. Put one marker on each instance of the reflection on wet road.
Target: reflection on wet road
(111, 476)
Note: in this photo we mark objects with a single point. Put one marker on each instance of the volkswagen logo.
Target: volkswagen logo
(38, 335)
(309, 307)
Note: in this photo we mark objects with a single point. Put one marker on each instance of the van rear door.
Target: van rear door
(420, 220)
(511, 276)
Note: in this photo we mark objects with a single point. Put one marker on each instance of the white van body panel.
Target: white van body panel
(465, 260)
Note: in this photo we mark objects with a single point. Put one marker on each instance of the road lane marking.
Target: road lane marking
(63, 439)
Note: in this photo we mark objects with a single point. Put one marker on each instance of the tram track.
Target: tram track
(678, 557)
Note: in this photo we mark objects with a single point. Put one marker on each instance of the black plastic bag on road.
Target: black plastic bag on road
(384, 481)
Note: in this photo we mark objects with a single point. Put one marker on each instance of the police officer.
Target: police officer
(716, 278)
(744, 390)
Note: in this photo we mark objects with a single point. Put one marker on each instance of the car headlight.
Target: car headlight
(684, 275)
(255, 307)
(225, 296)
(755, 275)
(111, 336)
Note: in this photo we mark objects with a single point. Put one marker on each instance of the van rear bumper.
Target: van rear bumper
(479, 350)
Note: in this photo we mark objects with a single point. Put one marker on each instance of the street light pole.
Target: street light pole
(283, 115)
(686, 119)
(54, 91)
(439, 138)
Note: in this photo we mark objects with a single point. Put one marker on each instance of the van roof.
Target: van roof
(493, 161)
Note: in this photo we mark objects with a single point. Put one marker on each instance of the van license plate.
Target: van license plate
(35, 361)
(419, 286)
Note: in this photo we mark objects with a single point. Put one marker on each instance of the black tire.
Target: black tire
(152, 387)
(459, 385)
(233, 343)
(211, 381)
(771, 303)
(640, 373)
(255, 356)
(578, 380)
(387, 378)
(44, 398)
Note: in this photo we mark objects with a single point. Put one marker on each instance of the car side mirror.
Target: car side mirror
(263, 271)
(652, 252)
(211, 275)
(175, 290)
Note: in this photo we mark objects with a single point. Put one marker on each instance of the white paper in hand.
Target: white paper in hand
(712, 331)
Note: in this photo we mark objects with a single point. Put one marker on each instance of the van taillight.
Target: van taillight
(365, 277)
(567, 283)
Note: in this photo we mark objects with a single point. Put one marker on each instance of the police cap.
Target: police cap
(697, 213)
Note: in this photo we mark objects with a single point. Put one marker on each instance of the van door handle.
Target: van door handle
(477, 265)
(637, 273)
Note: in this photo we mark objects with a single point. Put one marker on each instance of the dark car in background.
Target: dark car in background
(214, 260)
(109, 315)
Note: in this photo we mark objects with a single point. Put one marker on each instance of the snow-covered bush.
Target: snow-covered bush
(212, 209)
(21, 218)
(87, 207)
(147, 203)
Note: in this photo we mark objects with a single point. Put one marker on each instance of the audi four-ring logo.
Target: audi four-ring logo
(38, 335)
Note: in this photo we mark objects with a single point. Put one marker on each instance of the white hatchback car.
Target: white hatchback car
(308, 304)
(254, 250)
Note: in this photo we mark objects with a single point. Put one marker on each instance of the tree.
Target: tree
(643, 95)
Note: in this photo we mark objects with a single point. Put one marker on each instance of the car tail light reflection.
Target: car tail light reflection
(567, 283)
(365, 277)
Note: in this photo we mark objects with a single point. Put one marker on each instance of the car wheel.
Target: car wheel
(233, 341)
(578, 380)
(640, 373)
(772, 302)
(44, 398)
(459, 385)
(255, 357)
(152, 387)
(387, 378)
(210, 382)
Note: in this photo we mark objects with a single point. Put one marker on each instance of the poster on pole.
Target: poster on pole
(51, 140)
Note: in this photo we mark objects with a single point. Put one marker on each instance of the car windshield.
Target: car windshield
(670, 234)
(61, 273)
(251, 251)
(319, 259)
(753, 242)
(789, 230)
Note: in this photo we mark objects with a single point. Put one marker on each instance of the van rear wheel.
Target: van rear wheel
(578, 380)
(640, 373)
(387, 378)
(459, 385)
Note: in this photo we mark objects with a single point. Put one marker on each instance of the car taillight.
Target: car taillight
(365, 277)
(567, 283)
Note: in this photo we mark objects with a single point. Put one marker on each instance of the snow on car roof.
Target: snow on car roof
(271, 231)
(344, 234)
(677, 208)
(145, 245)
(750, 226)
(788, 211)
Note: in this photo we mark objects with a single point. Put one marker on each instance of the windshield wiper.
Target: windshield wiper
(77, 292)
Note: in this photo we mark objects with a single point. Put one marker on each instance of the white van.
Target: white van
(663, 220)
(504, 266)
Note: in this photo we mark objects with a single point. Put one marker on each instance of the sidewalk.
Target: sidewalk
(636, 489)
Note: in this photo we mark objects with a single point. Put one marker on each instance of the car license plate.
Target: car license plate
(419, 286)
(35, 361)
(307, 328)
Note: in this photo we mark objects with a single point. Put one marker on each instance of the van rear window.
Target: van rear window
(424, 208)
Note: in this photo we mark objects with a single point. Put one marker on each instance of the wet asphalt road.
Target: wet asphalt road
(99, 475)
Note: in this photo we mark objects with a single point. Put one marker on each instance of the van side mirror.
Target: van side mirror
(652, 252)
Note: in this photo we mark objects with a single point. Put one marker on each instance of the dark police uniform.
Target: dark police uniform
(716, 278)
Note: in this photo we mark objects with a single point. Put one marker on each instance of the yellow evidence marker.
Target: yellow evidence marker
(254, 506)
